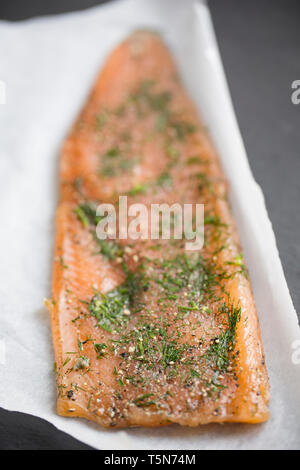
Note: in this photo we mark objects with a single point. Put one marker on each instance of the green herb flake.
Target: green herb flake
(219, 352)
(99, 348)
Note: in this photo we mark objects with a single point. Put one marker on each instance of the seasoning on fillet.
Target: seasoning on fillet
(145, 332)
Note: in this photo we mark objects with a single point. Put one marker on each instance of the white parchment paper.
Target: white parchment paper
(48, 66)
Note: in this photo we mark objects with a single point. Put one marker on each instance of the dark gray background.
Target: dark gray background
(260, 47)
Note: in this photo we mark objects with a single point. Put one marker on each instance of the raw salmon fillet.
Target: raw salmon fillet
(146, 333)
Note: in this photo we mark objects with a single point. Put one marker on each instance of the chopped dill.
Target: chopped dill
(214, 220)
(99, 348)
(112, 309)
(87, 213)
(114, 162)
(101, 119)
(238, 261)
(218, 353)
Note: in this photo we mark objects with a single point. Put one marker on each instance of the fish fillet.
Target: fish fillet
(146, 333)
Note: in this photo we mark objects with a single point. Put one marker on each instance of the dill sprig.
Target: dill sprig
(87, 213)
(112, 309)
(219, 352)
